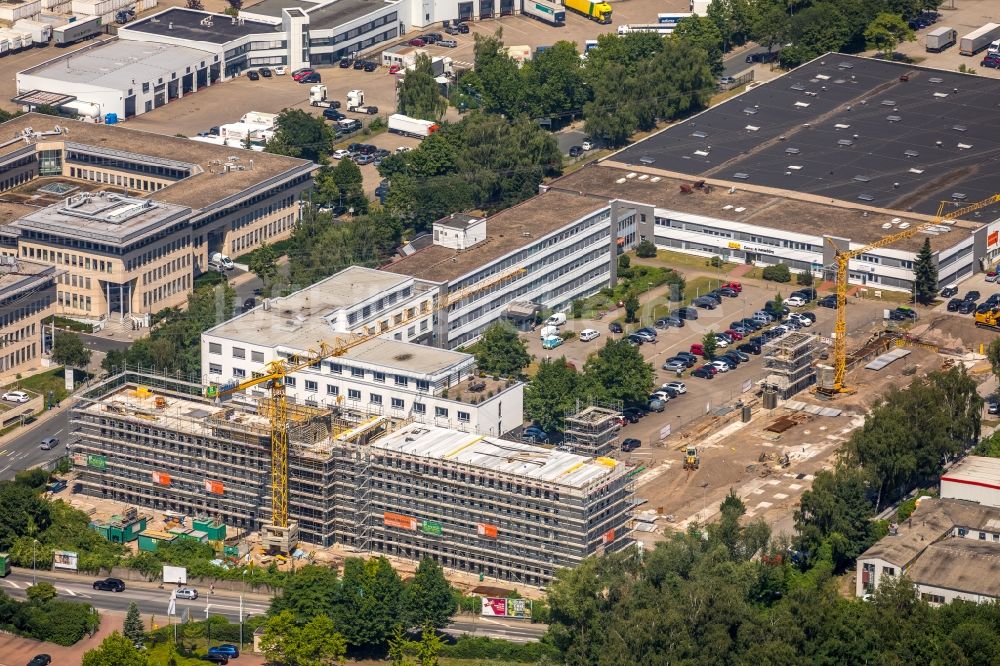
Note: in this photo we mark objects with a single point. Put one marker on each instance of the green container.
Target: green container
(216, 531)
(4, 564)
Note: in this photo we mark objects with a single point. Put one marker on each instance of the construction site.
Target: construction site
(366, 484)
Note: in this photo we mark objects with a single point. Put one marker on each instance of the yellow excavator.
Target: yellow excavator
(989, 319)
(692, 460)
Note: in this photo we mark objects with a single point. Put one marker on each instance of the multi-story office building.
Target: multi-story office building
(27, 296)
(133, 217)
(557, 247)
(477, 504)
(388, 372)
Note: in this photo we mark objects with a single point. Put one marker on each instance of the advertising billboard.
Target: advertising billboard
(96, 461)
(64, 559)
(486, 530)
(214, 487)
(162, 478)
(175, 575)
(499, 607)
(399, 520)
(430, 527)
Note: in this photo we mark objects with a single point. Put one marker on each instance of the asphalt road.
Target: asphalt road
(736, 63)
(154, 601)
(151, 601)
(23, 451)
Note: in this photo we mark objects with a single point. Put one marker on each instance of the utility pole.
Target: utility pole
(34, 543)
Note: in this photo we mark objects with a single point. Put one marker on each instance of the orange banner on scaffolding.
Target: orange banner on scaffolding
(399, 520)
(486, 530)
(161, 478)
(609, 536)
(214, 487)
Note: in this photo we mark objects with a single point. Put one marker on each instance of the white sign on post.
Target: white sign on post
(664, 432)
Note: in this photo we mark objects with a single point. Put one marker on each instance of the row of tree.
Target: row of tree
(44, 617)
(624, 85)
(907, 438)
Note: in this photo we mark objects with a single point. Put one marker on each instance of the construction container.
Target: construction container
(4, 564)
(216, 530)
(100, 7)
(150, 540)
(120, 529)
(15, 11)
(189, 534)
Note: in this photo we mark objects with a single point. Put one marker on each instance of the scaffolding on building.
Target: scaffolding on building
(592, 429)
(789, 362)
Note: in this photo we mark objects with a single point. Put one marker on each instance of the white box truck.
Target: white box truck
(979, 39)
(415, 127)
(941, 38)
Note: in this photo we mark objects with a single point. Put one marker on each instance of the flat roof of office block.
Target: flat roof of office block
(18, 275)
(760, 206)
(192, 25)
(209, 183)
(975, 471)
(499, 455)
(888, 134)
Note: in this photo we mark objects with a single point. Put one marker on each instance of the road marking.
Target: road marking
(11, 583)
(4, 469)
(69, 592)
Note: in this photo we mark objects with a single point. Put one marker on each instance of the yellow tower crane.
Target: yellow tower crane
(282, 533)
(843, 257)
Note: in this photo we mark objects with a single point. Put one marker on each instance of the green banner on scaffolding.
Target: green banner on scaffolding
(431, 527)
(96, 461)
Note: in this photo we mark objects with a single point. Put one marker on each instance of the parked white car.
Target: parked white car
(589, 334)
(16, 396)
(721, 366)
(340, 154)
(280, 70)
(587, 145)
(680, 387)
(800, 320)
(795, 301)
(720, 342)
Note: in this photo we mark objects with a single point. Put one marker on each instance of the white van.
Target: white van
(549, 331)
(588, 334)
(220, 261)
(558, 319)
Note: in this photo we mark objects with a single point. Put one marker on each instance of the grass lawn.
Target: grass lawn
(50, 380)
(672, 259)
(71, 324)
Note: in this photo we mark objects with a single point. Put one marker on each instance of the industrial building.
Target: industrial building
(949, 547)
(387, 372)
(27, 297)
(131, 218)
(373, 483)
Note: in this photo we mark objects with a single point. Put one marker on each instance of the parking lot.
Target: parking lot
(703, 395)
(966, 16)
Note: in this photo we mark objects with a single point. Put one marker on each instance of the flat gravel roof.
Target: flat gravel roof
(884, 134)
(192, 25)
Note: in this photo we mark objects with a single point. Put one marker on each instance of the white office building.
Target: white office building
(390, 372)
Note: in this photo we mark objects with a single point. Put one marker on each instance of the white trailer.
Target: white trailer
(979, 39)
(546, 12)
(40, 32)
(87, 27)
(415, 127)
(940, 39)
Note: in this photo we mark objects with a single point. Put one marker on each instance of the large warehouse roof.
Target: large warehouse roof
(197, 26)
(120, 64)
(887, 134)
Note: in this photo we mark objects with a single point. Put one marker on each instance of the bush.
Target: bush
(479, 647)
(804, 279)
(377, 124)
(578, 306)
(715, 262)
(645, 250)
(778, 273)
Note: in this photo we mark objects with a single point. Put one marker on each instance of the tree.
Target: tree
(777, 273)
(631, 307)
(551, 393)
(804, 279)
(498, 77)
(263, 263)
(318, 248)
(196, 5)
(815, 30)
(68, 350)
(645, 249)
(300, 134)
(702, 32)
(709, 344)
(348, 181)
(113, 361)
(925, 275)
(309, 592)
(556, 83)
(316, 643)
(617, 372)
(419, 94)
(429, 600)
(886, 32)
(501, 352)
(368, 603)
(771, 27)
(115, 650)
(993, 355)
(837, 505)
(39, 593)
(134, 629)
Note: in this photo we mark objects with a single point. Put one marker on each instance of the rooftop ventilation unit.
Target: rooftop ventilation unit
(893, 119)
(936, 79)
(727, 207)
(964, 146)
(741, 175)
(845, 143)
(655, 179)
(904, 225)
(792, 151)
(916, 171)
(797, 86)
(739, 209)
(822, 77)
(620, 181)
(862, 179)
(646, 159)
(959, 196)
(752, 128)
(801, 105)
(631, 174)
(960, 128)
(888, 102)
(864, 196)
(887, 226)
(845, 65)
(911, 153)
(701, 153)
(644, 176)
(795, 167)
(750, 110)
(699, 135)
(841, 126)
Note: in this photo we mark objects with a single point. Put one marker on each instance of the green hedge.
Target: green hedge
(56, 621)
(480, 647)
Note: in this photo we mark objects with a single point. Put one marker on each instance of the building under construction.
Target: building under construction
(504, 509)
(593, 430)
(789, 362)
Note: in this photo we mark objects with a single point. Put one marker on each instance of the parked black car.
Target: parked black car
(972, 295)
(633, 414)
(635, 340)
(948, 292)
(630, 444)
(703, 373)
(615, 327)
(687, 313)
(252, 75)
(371, 67)
(967, 307)
(827, 301)
(345, 63)
(808, 293)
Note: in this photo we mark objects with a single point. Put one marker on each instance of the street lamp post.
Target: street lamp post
(34, 543)
(244, 576)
